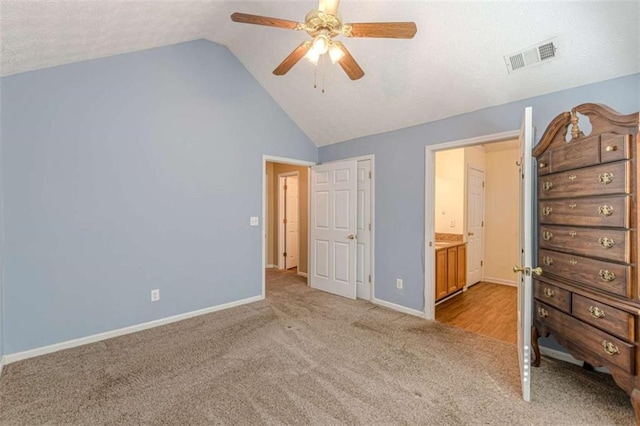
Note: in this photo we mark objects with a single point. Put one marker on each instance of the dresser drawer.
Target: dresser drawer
(552, 295)
(544, 167)
(610, 244)
(575, 155)
(605, 317)
(593, 211)
(614, 147)
(605, 179)
(608, 276)
(605, 346)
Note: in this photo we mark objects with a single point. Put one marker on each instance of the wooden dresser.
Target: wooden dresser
(587, 219)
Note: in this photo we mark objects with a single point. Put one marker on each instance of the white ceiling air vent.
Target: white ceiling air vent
(536, 54)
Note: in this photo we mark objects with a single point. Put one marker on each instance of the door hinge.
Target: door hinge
(482, 263)
(285, 187)
(369, 277)
(369, 175)
(284, 254)
(483, 184)
(284, 220)
(369, 227)
(482, 223)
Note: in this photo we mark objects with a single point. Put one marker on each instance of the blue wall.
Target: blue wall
(400, 173)
(130, 173)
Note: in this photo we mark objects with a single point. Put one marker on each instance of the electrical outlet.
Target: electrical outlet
(253, 221)
(399, 284)
(452, 224)
(155, 295)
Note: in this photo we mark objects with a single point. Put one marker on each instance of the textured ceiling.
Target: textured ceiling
(452, 66)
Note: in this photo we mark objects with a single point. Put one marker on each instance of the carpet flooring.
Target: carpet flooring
(302, 357)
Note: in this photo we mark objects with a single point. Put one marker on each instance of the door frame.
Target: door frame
(281, 229)
(283, 160)
(429, 208)
(373, 218)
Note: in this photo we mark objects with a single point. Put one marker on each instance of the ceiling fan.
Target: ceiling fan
(323, 25)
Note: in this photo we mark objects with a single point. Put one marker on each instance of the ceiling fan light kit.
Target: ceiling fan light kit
(323, 25)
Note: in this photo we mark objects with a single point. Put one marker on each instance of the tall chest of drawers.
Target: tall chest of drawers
(587, 296)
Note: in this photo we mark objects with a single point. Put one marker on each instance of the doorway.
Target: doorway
(276, 172)
(478, 202)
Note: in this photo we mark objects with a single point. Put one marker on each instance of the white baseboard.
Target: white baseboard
(18, 356)
(398, 308)
(500, 281)
(270, 266)
(2, 362)
(303, 274)
(563, 356)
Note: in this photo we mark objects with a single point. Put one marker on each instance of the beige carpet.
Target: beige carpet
(301, 357)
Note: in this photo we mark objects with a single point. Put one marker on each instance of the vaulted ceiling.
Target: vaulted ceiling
(454, 64)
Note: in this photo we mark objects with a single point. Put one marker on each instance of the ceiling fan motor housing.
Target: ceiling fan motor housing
(316, 21)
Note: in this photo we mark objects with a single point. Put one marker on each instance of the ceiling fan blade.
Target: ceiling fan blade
(245, 18)
(293, 58)
(330, 7)
(382, 29)
(348, 64)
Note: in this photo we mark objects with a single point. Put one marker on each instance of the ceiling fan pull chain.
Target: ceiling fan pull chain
(322, 72)
(315, 76)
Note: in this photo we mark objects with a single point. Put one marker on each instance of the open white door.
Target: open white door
(292, 231)
(526, 248)
(333, 228)
(475, 225)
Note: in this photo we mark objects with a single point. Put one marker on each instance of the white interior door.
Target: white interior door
(526, 248)
(363, 272)
(292, 228)
(475, 225)
(333, 228)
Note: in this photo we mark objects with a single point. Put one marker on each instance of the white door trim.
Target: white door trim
(281, 201)
(283, 160)
(429, 207)
(372, 158)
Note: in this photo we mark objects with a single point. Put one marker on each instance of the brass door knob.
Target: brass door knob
(352, 237)
(471, 234)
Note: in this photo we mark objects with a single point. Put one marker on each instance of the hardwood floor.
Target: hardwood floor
(486, 308)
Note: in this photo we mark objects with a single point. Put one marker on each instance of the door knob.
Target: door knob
(352, 237)
(470, 234)
(517, 269)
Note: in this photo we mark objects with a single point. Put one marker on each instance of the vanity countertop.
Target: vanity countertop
(439, 245)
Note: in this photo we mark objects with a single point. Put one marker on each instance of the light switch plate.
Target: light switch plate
(253, 221)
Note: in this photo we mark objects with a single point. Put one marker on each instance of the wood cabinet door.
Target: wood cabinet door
(441, 274)
(452, 266)
(462, 266)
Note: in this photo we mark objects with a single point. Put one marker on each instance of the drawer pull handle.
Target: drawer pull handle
(542, 165)
(573, 262)
(572, 206)
(572, 177)
(610, 348)
(546, 235)
(605, 178)
(610, 148)
(547, 211)
(547, 260)
(542, 312)
(573, 233)
(547, 185)
(607, 275)
(605, 210)
(606, 242)
(548, 292)
(596, 312)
